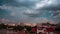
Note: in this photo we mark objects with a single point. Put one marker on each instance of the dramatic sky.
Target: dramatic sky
(30, 11)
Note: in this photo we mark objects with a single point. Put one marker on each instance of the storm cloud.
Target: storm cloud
(30, 10)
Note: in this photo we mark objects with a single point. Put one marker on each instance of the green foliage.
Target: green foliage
(19, 28)
(2, 26)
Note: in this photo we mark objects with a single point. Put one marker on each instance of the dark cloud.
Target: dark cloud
(30, 10)
(33, 15)
(19, 3)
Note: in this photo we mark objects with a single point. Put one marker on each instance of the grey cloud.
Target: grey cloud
(20, 8)
(19, 3)
(55, 5)
(19, 13)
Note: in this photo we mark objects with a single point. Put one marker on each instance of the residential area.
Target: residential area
(30, 28)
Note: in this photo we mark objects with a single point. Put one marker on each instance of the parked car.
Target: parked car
(40, 30)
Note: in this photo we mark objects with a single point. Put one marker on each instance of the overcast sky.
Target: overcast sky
(30, 10)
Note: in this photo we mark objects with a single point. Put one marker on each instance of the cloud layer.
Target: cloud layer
(30, 10)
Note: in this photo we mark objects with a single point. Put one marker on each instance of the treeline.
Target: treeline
(15, 28)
